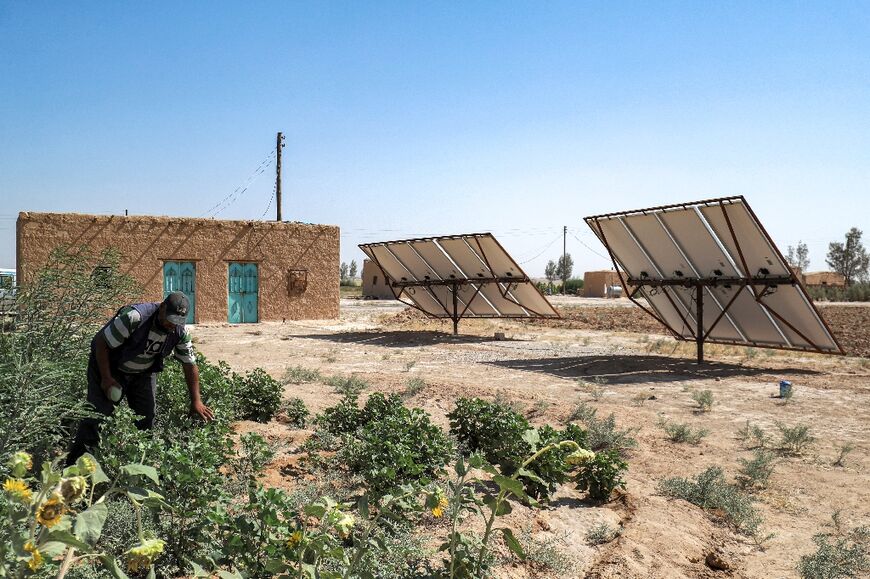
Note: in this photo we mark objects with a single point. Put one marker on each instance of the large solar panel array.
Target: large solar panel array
(710, 272)
(458, 276)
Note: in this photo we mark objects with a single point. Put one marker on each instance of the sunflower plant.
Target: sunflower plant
(54, 517)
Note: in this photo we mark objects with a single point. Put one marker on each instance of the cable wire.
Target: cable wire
(240, 190)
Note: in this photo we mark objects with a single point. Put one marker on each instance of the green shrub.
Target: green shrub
(347, 385)
(601, 533)
(550, 469)
(603, 434)
(680, 432)
(602, 475)
(395, 445)
(711, 492)
(414, 387)
(259, 396)
(836, 557)
(297, 413)
(794, 439)
(756, 473)
(704, 400)
(753, 436)
(491, 429)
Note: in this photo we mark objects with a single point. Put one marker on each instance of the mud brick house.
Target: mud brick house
(374, 282)
(595, 283)
(232, 271)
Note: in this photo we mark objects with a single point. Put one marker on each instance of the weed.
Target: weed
(385, 357)
(795, 439)
(602, 475)
(844, 450)
(502, 398)
(300, 375)
(844, 556)
(711, 492)
(409, 365)
(547, 554)
(595, 387)
(414, 387)
(750, 353)
(639, 399)
(704, 400)
(603, 434)
(753, 436)
(680, 432)
(601, 533)
(539, 408)
(755, 473)
(347, 385)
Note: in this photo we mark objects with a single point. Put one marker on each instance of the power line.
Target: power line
(272, 198)
(555, 239)
(587, 247)
(240, 190)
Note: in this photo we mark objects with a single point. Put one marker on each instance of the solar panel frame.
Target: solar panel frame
(744, 278)
(458, 276)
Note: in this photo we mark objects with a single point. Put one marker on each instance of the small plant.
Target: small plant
(755, 473)
(492, 429)
(595, 387)
(601, 475)
(704, 400)
(844, 450)
(711, 492)
(549, 554)
(347, 385)
(794, 439)
(601, 533)
(409, 365)
(259, 396)
(835, 557)
(297, 413)
(603, 434)
(414, 387)
(683, 433)
(752, 436)
(639, 399)
(301, 375)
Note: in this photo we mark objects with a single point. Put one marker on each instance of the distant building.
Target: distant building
(598, 284)
(374, 282)
(232, 271)
(824, 279)
(7, 290)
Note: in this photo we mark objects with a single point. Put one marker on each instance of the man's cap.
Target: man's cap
(177, 306)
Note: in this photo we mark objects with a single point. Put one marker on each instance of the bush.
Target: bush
(704, 400)
(491, 429)
(347, 385)
(259, 396)
(756, 473)
(711, 492)
(574, 286)
(395, 445)
(297, 413)
(601, 533)
(844, 557)
(602, 475)
(753, 436)
(683, 433)
(603, 434)
(300, 375)
(795, 439)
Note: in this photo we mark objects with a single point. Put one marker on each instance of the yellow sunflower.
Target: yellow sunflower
(294, 539)
(438, 510)
(35, 561)
(50, 512)
(17, 489)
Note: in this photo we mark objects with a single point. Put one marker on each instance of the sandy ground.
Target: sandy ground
(544, 367)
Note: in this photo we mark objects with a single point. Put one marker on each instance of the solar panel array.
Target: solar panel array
(749, 294)
(459, 276)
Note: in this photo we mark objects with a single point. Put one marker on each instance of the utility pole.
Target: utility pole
(564, 253)
(279, 146)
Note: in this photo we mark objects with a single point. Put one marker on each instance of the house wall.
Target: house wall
(374, 282)
(145, 242)
(595, 283)
(824, 278)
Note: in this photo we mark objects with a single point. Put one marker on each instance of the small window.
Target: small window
(375, 280)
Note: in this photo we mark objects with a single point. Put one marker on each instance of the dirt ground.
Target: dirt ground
(546, 368)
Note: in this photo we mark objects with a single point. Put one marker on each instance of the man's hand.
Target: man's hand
(200, 409)
(107, 384)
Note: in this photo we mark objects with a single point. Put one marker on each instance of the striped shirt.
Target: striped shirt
(126, 322)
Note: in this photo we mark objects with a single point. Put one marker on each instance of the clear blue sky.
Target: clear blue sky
(416, 118)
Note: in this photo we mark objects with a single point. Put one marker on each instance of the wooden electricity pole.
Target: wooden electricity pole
(564, 261)
(280, 145)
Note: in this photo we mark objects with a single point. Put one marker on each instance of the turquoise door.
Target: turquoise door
(243, 290)
(180, 276)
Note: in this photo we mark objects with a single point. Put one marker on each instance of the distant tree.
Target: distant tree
(564, 269)
(849, 259)
(550, 271)
(799, 256)
(352, 270)
(343, 271)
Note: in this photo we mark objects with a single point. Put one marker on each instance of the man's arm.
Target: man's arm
(191, 376)
(101, 351)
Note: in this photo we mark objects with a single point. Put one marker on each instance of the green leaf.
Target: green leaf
(512, 543)
(532, 437)
(460, 467)
(363, 506)
(111, 566)
(151, 574)
(198, 570)
(526, 473)
(137, 469)
(52, 549)
(229, 575)
(147, 497)
(510, 484)
(68, 539)
(89, 524)
(504, 507)
(99, 476)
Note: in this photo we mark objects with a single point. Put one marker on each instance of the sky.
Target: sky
(406, 119)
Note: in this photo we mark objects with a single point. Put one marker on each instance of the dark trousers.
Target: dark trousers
(138, 389)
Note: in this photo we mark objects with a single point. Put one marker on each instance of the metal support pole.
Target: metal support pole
(699, 335)
(280, 145)
(455, 309)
